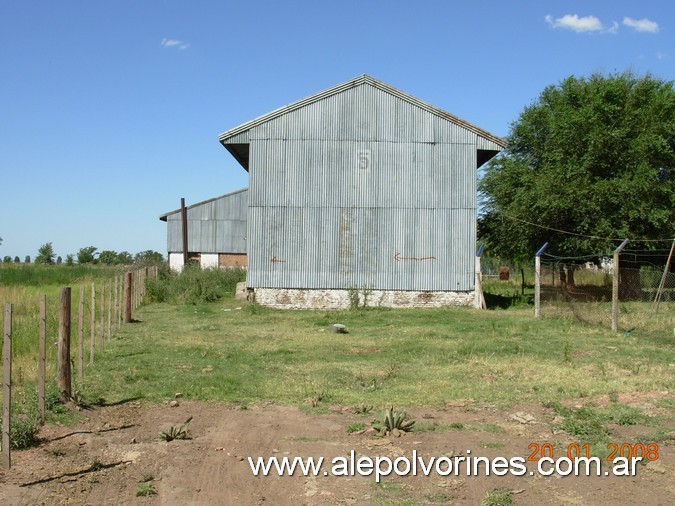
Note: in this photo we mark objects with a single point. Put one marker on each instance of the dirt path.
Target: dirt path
(103, 459)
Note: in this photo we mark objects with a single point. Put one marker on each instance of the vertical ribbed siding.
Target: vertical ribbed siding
(214, 226)
(362, 189)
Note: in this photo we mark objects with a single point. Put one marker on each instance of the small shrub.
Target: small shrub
(355, 427)
(498, 497)
(24, 429)
(146, 489)
(394, 423)
(96, 465)
(174, 432)
(362, 409)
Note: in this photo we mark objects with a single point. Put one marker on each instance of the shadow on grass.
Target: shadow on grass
(495, 301)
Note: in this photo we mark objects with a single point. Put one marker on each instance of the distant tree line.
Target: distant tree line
(90, 255)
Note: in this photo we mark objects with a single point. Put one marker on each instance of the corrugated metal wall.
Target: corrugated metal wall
(214, 226)
(362, 190)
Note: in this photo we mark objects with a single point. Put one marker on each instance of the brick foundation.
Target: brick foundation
(284, 298)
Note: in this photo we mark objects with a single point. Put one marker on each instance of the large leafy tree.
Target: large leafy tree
(594, 156)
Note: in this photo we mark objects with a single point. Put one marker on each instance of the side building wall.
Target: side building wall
(216, 232)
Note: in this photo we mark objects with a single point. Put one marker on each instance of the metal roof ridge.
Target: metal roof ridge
(352, 83)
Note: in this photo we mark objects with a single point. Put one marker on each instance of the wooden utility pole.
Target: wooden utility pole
(63, 373)
(7, 387)
(128, 282)
(183, 219)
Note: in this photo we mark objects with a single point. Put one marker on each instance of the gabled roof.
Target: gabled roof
(165, 216)
(360, 81)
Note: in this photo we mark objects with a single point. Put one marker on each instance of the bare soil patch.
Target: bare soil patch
(103, 459)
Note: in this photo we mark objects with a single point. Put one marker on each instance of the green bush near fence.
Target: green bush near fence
(194, 285)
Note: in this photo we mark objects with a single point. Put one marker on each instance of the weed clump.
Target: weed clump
(394, 423)
(174, 432)
(194, 285)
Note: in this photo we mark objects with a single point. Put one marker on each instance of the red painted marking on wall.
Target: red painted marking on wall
(398, 258)
(275, 260)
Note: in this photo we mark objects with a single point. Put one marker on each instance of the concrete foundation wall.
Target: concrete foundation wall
(176, 262)
(208, 260)
(283, 298)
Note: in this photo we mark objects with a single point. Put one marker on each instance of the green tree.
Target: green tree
(593, 156)
(59, 260)
(108, 257)
(124, 258)
(86, 255)
(70, 259)
(17, 260)
(149, 257)
(7, 259)
(27, 259)
(45, 254)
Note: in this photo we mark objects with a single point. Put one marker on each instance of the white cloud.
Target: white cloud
(642, 25)
(660, 55)
(577, 24)
(174, 43)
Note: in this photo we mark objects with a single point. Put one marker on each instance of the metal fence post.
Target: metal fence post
(615, 286)
(537, 281)
(479, 300)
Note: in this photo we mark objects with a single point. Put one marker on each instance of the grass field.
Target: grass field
(22, 285)
(234, 352)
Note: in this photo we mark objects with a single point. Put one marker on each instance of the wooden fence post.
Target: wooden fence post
(110, 298)
(92, 327)
(80, 337)
(128, 281)
(42, 357)
(7, 387)
(120, 288)
(102, 315)
(63, 373)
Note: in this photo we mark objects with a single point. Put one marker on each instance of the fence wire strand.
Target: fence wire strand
(646, 302)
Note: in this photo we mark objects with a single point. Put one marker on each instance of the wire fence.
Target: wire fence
(642, 301)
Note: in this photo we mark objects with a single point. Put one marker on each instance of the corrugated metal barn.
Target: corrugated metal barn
(361, 186)
(216, 232)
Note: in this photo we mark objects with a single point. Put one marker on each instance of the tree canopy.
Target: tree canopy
(591, 156)
(45, 254)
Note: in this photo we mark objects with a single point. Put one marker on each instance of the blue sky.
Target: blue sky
(110, 111)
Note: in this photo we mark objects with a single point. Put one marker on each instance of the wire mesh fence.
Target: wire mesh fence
(645, 301)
